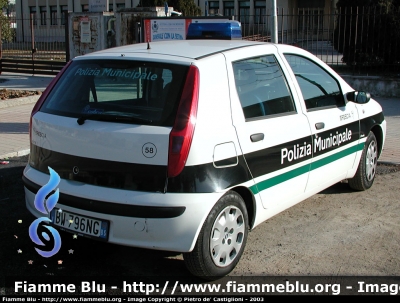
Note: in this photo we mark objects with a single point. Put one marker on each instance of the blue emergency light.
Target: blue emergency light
(228, 30)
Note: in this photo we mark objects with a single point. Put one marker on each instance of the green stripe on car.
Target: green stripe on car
(260, 186)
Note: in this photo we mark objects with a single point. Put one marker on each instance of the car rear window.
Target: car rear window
(139, 92)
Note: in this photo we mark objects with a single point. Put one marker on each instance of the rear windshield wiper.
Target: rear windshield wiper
(112, 118)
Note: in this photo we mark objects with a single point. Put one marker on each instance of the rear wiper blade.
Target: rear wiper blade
(113, 118)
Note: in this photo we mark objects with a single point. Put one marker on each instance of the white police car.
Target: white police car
(188, 145)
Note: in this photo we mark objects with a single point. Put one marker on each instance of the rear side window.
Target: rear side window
(320, 90)
(262, 87)
(119, 90)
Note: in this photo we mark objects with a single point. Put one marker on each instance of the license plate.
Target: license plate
(80, 224)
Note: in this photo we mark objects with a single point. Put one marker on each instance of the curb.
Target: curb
(35, 98)
(376, 85)
(19, 153)
(19, 101)
(16, 102)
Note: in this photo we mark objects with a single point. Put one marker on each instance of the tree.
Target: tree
(186, 7)
(366, 32)
(378, 3)
(7, 32)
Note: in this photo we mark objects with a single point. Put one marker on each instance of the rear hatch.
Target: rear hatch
(108, 123)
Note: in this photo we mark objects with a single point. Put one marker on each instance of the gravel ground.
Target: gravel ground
(6, 94)
(337, 232)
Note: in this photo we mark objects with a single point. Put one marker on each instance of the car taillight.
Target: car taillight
(180, 138)
(44, 96)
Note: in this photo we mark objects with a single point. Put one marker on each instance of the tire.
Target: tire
(366, 171)
(217, 253)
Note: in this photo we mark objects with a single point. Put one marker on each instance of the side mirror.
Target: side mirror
(363, 97)
(358, 97)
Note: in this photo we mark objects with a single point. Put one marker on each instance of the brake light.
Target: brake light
(43, 97)
(180, 138)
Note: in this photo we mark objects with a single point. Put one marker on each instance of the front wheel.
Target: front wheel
(366, 170)
(222, 239)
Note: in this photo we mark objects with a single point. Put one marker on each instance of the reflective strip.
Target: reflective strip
(265, 184)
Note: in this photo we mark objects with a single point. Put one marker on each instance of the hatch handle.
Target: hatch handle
(319, 125)
(257, 137)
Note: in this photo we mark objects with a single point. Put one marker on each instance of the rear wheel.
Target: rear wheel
(365, 175)
(222, 239)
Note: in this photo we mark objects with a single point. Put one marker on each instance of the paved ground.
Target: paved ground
(14, 118)
(24, 82)
(15, 113)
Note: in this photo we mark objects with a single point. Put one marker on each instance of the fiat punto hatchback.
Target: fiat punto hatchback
(187, 146)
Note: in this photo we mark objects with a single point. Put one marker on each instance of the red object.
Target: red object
(180, 138)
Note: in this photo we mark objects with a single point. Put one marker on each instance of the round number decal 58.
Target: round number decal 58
(149, 150)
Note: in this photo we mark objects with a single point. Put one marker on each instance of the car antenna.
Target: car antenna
(148, 44)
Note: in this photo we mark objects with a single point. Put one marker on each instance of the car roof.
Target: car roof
(190, 49)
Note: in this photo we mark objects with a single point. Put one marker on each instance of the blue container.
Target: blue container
(228, 30)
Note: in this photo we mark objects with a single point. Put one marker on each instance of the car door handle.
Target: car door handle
(319, 125)
(257, 137)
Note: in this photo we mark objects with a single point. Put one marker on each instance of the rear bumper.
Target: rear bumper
(140, 219)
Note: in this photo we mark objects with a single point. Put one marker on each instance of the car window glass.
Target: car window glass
(262, 87)
(320, 89)
(144, 91)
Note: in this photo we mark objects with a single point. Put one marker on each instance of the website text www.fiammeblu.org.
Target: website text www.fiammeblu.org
(228, 287)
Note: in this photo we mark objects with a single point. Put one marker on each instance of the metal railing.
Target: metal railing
(34, 39)
(36, 67)
(357, 38)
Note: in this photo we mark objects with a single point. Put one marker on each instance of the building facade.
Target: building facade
(247, 11)
(51, 13)
(242, 8)
(48, 17)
